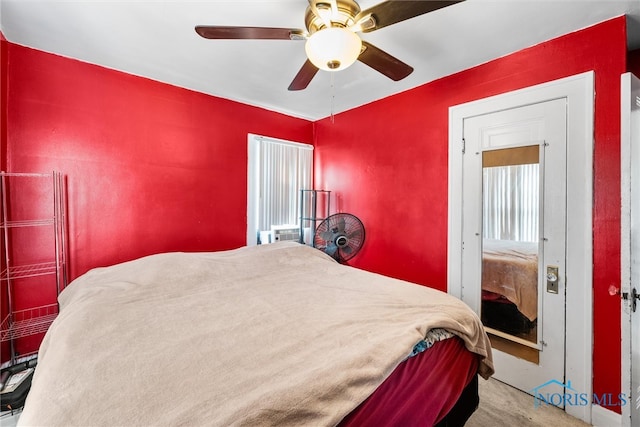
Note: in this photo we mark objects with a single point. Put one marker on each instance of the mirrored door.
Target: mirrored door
(514, 231)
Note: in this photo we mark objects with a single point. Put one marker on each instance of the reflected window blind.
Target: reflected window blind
(511, 202)
(285, 169)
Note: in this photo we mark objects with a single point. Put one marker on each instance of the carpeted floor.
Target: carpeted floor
(504, 406)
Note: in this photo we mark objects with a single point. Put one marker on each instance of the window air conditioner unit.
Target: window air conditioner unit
(285, 233)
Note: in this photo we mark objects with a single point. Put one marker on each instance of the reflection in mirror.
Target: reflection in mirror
(510, 215)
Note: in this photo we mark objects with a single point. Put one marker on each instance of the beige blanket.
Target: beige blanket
(271, 335)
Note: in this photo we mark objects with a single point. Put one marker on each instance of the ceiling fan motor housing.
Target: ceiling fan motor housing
(343, 17)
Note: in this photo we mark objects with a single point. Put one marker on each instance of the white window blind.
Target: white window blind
(511, 202)
(278, 170)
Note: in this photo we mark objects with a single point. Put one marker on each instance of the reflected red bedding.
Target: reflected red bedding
(421, 391)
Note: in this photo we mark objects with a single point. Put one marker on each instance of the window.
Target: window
(511, 194)
(277, 171)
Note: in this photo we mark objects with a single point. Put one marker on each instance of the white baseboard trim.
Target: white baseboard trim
(602, 417)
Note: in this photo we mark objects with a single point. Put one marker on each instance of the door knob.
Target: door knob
(552, 279)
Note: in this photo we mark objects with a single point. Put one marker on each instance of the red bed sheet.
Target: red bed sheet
(421, 390)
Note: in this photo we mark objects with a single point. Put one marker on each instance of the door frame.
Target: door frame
(579, 93)
(628, 155)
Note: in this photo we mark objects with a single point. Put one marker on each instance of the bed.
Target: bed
(277, 334)
(510, 284)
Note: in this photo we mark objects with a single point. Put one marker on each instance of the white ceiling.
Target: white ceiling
(156, 39)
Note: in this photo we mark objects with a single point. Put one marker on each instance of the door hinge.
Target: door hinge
(464, 145)
(633, 297)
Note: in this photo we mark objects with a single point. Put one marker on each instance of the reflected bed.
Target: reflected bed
(510, 270)
(510, 285)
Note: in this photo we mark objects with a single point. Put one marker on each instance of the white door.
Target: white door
(514, 241)
(630, 151)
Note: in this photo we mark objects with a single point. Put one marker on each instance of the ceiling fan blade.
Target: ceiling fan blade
(394, 11)
(256, 33)
(304, 76)
(381, 61)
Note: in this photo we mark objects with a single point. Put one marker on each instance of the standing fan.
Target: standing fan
(340, 235)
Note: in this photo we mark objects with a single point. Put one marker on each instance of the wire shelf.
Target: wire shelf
(30, 270)
(37, 191)
(28, 223)
(28, 322)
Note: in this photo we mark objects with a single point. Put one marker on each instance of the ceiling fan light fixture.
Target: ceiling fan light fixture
(333, 49)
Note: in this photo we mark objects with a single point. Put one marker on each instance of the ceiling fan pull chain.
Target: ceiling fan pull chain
(333, 95)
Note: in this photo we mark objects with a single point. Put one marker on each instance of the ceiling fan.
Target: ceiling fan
(331, 40)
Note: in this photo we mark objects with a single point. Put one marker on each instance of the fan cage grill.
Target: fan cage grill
(340, 236)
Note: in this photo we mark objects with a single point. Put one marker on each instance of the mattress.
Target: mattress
(422, 390)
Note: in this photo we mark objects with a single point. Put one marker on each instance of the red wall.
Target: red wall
(387, 161)
(150, 167)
